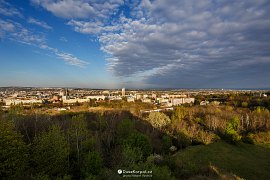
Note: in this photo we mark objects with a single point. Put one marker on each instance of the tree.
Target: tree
(131, 155)
(13, 152)
(92, 164)
(50, 153)
(166, 143)
(158, 119)
(231, 130)
(141, 141)
(124, 129)
(178, 116)
(77, 133)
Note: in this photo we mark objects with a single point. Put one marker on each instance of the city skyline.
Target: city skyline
(135, 44)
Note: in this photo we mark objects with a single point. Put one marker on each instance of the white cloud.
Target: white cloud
(6, 26)
(79, 8)
(39, 23)
(72, 60)
(7, 9)
(16, 32)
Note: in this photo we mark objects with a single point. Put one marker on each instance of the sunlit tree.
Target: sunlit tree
(158, 119)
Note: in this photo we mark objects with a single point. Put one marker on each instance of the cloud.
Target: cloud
(16, 32)
(63, 39)
(6, 26)
(79, 8)
(39, 23)
(7, 9)
(178, 43)
(72, 60)
(190, 43)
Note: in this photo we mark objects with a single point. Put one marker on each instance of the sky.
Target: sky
(135, 43)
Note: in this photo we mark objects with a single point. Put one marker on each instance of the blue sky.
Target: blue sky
(135, 44)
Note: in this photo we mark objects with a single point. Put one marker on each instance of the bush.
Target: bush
(231, 133)
(206, 137)
(261, 138)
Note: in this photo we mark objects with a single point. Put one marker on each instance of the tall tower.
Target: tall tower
(67, 93)
(123, 91)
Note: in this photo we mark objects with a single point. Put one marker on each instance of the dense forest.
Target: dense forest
(95, 145)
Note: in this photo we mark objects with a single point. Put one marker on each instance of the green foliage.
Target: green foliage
(13, 152)
(244, 104)
(158, 172)
(166, 143)
(16, 109)
(131, 155)
(261, 110)
(91, 141)
(50, 153)
(231, 130)
(77, 134)
(179, 114)
(183, 140)
(198, 120)
(65, 177)
(140, 141)
(161, 172)
(41, 176)
(109, 174)
(158, 119)
(124, 129)
(92, 164)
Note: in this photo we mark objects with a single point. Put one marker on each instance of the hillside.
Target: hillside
(244, 160)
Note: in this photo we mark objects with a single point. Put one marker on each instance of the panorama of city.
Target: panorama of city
(134, 89)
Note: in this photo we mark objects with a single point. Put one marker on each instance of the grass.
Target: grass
(244, 160)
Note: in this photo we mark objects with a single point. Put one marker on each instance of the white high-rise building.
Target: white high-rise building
(123, 92)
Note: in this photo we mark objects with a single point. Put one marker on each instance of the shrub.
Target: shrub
(262, 138)
(230, 131)
(206, 137)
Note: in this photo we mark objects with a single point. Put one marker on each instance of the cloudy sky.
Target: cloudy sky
(135, 43)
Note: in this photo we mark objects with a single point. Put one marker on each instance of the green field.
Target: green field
(244, 160)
